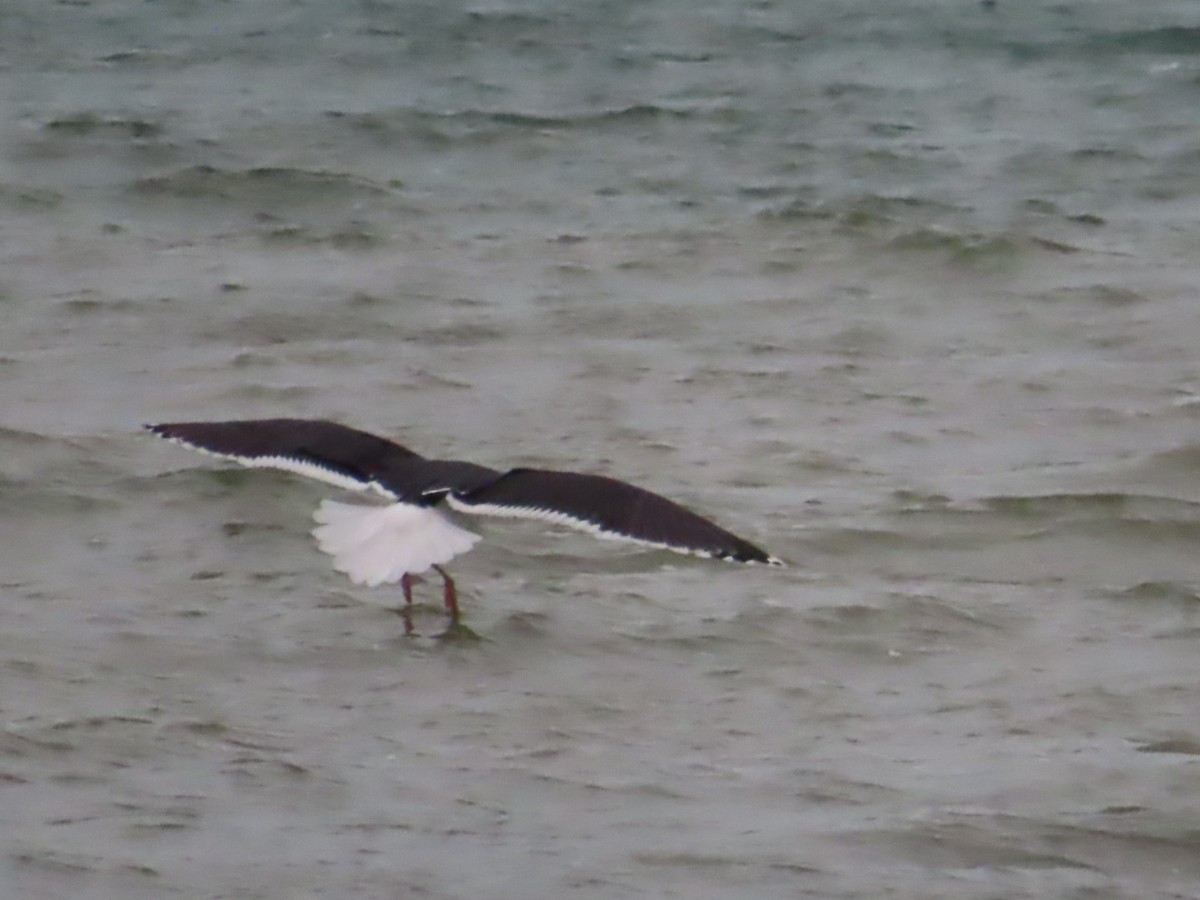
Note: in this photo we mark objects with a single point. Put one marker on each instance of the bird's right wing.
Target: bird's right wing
(326, 451)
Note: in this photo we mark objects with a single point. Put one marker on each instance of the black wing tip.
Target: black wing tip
(164, 430)
(177, 433)
(171, 431)
(753, 556)
(192, 435)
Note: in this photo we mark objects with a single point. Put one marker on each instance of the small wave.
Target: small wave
(860, 213)
(29, 198)
(14, 440)
(258, 185)
(959, 845)
(1099, 294)
(1108, 505)
(484, 126)
(1174, 40)
(1158, 591)
(1184, 745)
(88, 124)
(1183, 460)
(910, 619)
(937, 525)
(35, 496)
(352, 236)
(977, 248)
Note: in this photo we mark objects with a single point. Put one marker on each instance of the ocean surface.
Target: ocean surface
(908, 293)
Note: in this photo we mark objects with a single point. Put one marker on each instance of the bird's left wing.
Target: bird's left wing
(607, 508)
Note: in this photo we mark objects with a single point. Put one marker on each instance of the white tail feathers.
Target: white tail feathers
(375, 545)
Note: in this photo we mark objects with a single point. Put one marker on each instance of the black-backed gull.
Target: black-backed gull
(376, 545)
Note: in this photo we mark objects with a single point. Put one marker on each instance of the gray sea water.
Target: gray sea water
(905, 292)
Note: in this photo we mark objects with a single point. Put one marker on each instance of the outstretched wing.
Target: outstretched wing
(607, 508)
(357, 460)
(326, 451)
(333, 453)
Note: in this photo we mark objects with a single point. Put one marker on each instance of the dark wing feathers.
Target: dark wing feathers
(358, 460)
(332, 453)
(428, 481)
(319, 449)
(314, 439)
(609, 508)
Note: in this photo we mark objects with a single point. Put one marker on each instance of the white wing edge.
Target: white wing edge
(561, 518)
(292, 465)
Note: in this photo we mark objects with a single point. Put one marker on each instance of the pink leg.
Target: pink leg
(450, 596)
(405, 612)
